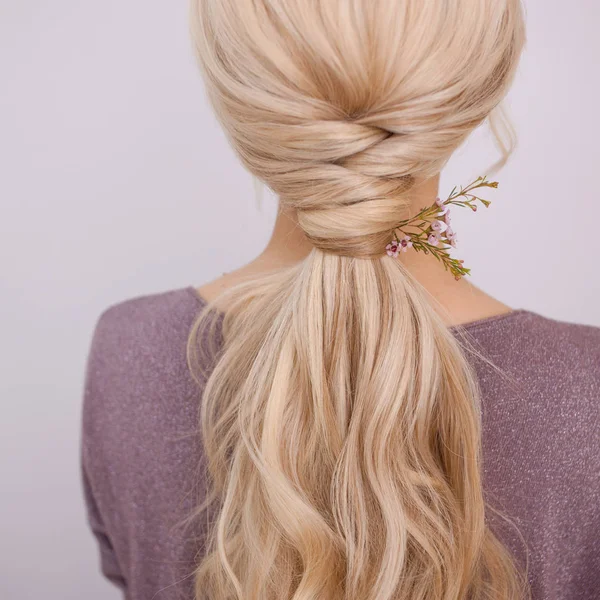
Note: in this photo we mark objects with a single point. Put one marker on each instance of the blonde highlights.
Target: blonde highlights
(341, 420)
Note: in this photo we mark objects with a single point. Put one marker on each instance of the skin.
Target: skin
(458, 302)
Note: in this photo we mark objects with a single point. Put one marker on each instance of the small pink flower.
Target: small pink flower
(443, 207)
(451, 236)
(447, 218)
(433, 239)
(393, 248)
(473, 207)
(405, 243)
(439, 226)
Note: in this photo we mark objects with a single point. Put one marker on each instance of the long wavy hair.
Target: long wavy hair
(340, 417)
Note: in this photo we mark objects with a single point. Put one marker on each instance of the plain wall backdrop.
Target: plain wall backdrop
(116, 181)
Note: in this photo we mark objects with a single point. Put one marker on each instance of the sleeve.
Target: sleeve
(109, 564)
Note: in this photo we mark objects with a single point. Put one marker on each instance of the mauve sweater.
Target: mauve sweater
(141, 450)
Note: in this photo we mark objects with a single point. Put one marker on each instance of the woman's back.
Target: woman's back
(141, 449)
(341, 424)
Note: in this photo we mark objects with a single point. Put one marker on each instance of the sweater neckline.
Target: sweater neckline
(515, 313)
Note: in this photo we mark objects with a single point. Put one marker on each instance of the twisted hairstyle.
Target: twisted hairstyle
(340, 418)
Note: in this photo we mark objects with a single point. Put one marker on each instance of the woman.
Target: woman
(343, 454)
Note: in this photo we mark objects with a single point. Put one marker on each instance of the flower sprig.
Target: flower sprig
(429, 231)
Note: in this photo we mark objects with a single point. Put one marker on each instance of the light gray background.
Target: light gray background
(116, 181)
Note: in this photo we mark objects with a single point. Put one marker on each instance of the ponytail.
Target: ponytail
(340, 419)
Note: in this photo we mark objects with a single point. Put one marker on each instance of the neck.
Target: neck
(458, 301)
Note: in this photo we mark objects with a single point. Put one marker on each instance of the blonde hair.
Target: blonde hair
(340, 418)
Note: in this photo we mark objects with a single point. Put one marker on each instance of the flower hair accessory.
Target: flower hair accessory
(430, 232)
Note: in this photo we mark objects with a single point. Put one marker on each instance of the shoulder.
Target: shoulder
(147, 316)
(540, 400)
(568, 336)
(545, 378)
(145, 328)
(542, 371)
(565, 352)
(574, 344)
(137, 356)
(536, 343)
